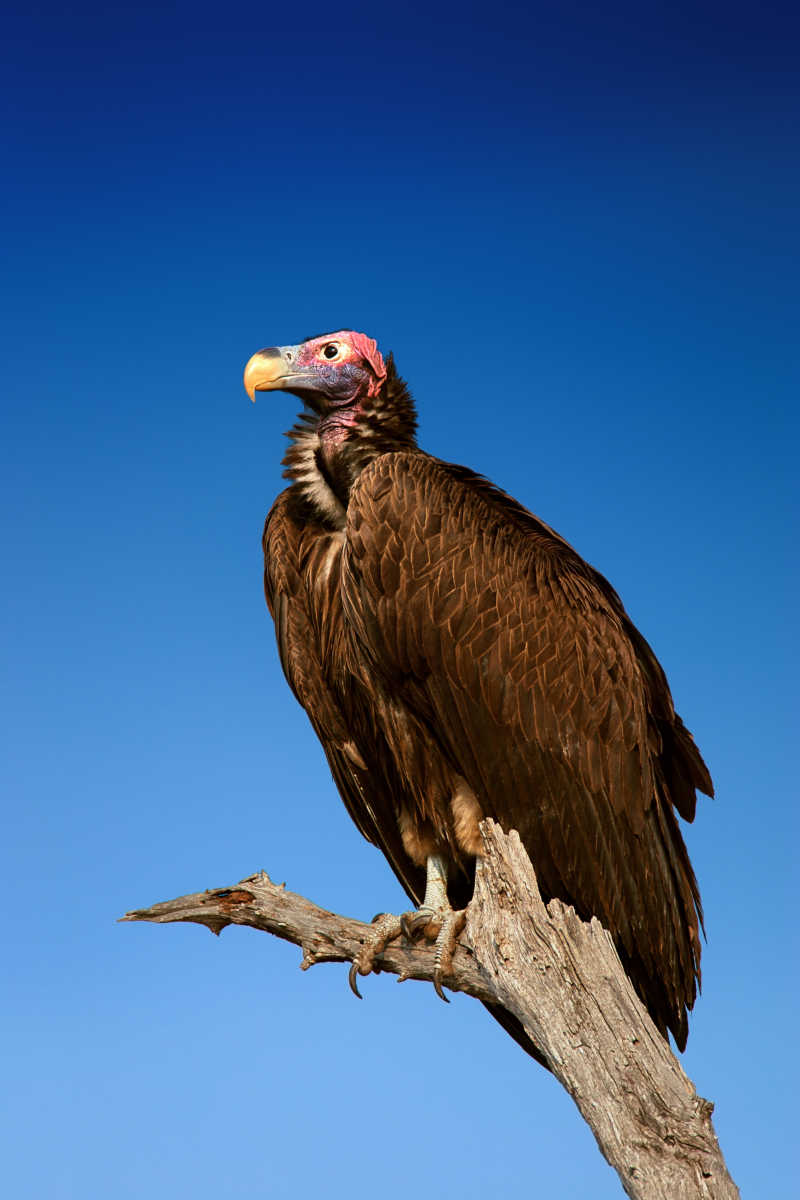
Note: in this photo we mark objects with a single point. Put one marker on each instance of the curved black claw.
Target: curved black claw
(415, 922)
(352, 975)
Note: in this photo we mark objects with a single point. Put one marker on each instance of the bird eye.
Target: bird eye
(331, 350)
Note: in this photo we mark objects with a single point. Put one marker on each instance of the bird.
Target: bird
(459, 660)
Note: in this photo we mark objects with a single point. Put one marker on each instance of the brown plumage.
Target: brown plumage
(459, 660)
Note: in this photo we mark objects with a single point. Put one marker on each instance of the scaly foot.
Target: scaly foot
(445, 948)
(385, 928)
(440, 925)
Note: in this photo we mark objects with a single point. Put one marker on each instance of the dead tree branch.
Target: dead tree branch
(560, 976)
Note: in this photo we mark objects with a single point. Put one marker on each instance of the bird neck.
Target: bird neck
(328, 453)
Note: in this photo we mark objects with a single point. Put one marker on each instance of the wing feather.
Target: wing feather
(522, 663)
(369, 793)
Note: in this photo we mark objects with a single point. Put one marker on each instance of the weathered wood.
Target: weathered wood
(563, 979)
(560, 976)
(323, 936)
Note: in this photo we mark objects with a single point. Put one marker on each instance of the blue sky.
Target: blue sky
(577, 229)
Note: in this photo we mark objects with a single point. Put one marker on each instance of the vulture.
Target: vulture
(459, 660)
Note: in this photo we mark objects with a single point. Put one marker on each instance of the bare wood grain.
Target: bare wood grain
(559, 975)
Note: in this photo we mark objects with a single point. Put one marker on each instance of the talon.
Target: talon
(446, 942)
(434, 920)
(351, 978)
(384, 928)
(415, 923)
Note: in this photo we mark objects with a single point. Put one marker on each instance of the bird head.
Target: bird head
(333, 372)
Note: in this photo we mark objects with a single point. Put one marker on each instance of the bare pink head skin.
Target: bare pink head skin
(357, 408)
(330, 371)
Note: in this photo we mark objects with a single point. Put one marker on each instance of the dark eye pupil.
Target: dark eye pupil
(330, 350)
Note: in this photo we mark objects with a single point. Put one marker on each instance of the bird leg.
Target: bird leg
(434, 919)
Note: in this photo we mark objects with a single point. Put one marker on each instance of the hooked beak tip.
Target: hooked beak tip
(264, 371)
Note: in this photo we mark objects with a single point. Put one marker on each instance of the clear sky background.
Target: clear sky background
(577, 228)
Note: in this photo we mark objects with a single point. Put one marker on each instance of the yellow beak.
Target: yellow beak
(267, 370)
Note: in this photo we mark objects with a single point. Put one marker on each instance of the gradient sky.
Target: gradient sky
(577, 228)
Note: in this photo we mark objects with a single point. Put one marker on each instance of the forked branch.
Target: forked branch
(560, 976)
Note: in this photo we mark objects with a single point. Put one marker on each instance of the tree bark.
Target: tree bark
(560, 976)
